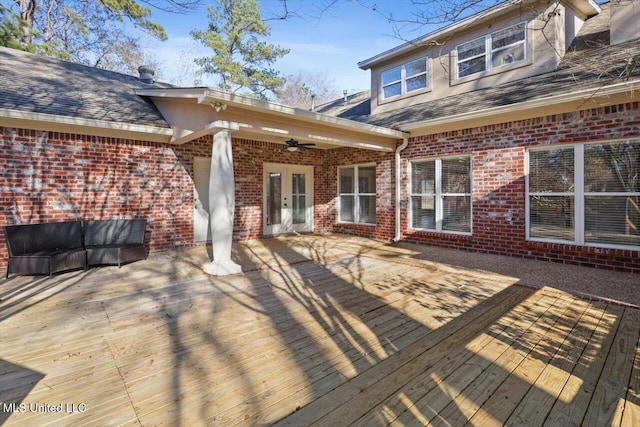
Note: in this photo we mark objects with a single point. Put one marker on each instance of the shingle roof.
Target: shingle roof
(39, 84)
(591, 62)
(357, 105)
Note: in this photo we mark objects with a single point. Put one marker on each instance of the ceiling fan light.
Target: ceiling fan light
(292, 148)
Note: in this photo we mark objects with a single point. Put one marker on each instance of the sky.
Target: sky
(332, 42)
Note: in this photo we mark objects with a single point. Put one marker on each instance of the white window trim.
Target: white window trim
(439, 196)
(356, 194)
(404, 78)
(578, 198)
(489, 52)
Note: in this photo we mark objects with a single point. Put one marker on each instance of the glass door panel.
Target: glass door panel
(288, 199)
(274, 198)
(298, 198)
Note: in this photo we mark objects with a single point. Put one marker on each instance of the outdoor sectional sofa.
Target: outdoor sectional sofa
(114, 242)
(58, 246)
(45, 248)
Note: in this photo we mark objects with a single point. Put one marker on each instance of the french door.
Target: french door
(288, 198)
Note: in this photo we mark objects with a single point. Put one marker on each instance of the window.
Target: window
(440, 194)
(405, 79)
(357, 194)
(495, 50)
(551, 193)
(585, 194)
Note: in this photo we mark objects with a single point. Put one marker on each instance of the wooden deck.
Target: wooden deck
(322, 330)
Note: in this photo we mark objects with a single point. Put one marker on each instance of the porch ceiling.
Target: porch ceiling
(190, 113)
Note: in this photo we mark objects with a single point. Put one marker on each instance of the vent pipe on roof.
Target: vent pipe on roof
(146, 74)
(344, 92)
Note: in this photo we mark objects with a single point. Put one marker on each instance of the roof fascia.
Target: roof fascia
(213, 96)
(573, 101)
(66, 124)
(586, 7)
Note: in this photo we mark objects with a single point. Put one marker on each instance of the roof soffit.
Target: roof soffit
(189, 111)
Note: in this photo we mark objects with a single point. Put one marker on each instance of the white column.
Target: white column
(221, 201)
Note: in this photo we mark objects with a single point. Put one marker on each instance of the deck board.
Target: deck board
(610, 393)
(325, 330)
(631, 414)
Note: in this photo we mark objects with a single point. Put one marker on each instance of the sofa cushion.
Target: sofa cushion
(44, 238)
(117, 232)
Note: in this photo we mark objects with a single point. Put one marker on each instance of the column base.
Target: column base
(222, 268)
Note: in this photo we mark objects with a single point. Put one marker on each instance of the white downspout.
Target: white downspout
(405, 142)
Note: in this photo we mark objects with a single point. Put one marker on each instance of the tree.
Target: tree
(90, 32)
(299, 89)
(241, 62)
(10, 28)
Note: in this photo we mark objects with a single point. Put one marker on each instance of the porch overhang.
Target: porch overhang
(190, 111)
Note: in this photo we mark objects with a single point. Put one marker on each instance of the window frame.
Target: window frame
(439, 196)
(357, 194)
(579, 197)
(489, 51)
(403, 79)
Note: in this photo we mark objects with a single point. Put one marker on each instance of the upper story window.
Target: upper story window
(495, 50)
(406, 78)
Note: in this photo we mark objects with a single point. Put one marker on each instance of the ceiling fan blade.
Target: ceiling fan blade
(306, 144)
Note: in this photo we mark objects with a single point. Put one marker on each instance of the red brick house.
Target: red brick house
(515, 131)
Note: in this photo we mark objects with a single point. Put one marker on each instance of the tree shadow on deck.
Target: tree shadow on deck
(365, 311)
(383, 383)
(336, 336)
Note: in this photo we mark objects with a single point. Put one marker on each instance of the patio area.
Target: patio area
(322, 329)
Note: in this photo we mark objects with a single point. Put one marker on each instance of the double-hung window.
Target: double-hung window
(440, 194)
(494, 50)
(407, 78)
(586, 194)
(357, 194)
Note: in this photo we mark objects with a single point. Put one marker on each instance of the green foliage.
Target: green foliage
(10, 28)
(90, 32)
(241, 61)
(136, 13)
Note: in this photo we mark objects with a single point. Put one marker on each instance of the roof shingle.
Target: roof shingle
(39, 84)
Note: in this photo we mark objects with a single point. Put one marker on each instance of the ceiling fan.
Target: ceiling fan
(293, 145)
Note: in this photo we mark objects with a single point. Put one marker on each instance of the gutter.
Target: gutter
(405, 143)
(583, 96)
(68, 124)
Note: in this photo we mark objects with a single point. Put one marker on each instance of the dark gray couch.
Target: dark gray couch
(45, 248)
(114, 242)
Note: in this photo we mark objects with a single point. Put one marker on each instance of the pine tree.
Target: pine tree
(241, 61)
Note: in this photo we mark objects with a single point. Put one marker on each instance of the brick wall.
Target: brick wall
(385, 191)
(49, 176)
(498, 168)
